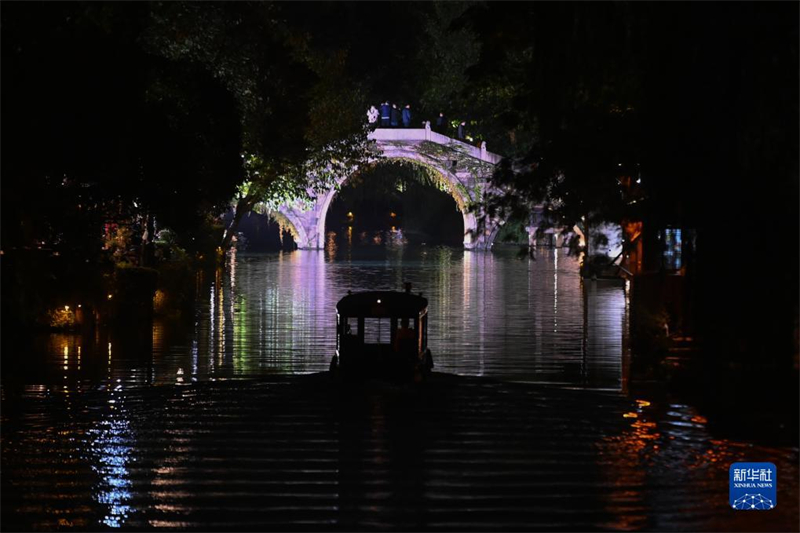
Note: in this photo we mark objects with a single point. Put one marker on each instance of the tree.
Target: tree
(297, 107)
(697, 101)
(569, 75)
(104, 135)
(447, 48)
(136, 136)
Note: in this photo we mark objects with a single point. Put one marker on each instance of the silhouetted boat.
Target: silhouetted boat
(382, 334)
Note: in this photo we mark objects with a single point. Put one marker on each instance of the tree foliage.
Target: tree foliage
(133, 135)
(447, 49)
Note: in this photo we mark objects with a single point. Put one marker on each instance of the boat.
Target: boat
(383, 335)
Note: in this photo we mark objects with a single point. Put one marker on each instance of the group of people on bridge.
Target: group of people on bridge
(390, 116)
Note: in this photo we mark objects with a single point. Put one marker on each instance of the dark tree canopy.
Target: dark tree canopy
(100, 115)
(699, 100)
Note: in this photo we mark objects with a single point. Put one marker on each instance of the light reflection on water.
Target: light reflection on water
(671, 445)
(110, 454)
(160, 456)
(491, 314)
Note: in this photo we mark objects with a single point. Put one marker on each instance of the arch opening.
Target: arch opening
(263, 230)
(395, 201)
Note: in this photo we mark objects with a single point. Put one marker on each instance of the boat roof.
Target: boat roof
(382, 304)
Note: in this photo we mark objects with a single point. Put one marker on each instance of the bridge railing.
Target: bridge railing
(426, 134)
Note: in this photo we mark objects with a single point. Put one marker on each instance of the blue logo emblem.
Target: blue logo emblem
(753, 486)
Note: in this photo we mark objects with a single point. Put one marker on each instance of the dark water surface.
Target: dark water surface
(223, 423)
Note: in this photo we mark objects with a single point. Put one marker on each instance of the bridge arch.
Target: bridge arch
(462, 169)
(440, 175)
(287, 220)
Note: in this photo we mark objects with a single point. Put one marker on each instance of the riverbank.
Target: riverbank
(300, 453)
(46, 290)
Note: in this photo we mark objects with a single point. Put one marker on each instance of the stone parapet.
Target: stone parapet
(426, 134)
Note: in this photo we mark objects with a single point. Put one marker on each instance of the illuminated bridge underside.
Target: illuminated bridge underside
(463, 169)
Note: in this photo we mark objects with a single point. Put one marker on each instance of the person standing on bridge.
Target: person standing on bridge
(441, 124)
(460, 133)
(372, 115)
(407, 116)
(385, 114)
(395, 116)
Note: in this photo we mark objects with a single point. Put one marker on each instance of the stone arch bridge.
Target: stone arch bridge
(461, 169)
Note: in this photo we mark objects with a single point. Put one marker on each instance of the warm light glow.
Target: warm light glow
(110, 296)
(350, 214)
(643, 403)
(379, 301)
(66, 308)
(630, 415)
(392, 214)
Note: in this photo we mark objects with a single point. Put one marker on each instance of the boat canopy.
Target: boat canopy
(380, 304)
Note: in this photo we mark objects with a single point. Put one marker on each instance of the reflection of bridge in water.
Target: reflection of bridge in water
(461, 169)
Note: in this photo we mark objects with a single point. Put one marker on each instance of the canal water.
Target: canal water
(490, 314)
(223, 421)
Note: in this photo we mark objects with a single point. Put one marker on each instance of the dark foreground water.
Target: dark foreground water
(224, 423)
